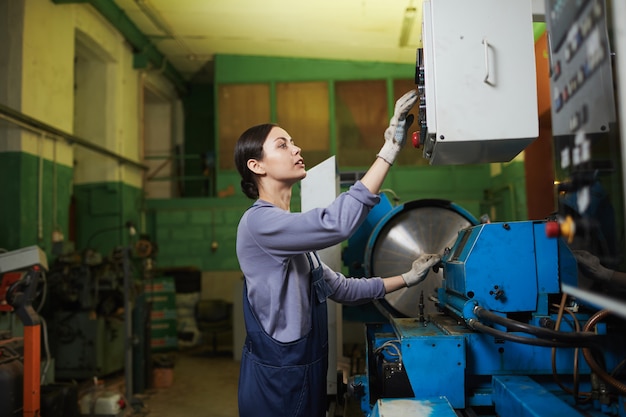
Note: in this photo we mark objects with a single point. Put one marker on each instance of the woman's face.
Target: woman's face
(282, 160)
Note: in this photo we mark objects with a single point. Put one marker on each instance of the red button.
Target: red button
(416, 140)
(553, 229)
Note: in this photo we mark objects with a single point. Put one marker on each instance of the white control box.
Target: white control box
(479, 98)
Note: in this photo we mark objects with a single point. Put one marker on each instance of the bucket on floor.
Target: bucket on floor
(162, 371)
(102, 403)
(162, 377)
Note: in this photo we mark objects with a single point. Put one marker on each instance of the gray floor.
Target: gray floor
(203, 384)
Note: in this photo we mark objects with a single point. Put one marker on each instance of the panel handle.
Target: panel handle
(486, 79)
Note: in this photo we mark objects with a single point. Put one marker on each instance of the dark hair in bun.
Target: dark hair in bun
(250, 146)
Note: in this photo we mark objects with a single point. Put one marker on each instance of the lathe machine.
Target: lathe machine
(523, 318)
(492, 334)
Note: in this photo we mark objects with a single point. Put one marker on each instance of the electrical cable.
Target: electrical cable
(573, 338)
(13, 351)
(618, 367)
(587, 354)
(44, 293)
(44, 329)
(396, 199)
(4, 358)
(390, 344)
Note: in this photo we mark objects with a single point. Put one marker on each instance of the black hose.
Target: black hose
(475, 324)
(574, 338)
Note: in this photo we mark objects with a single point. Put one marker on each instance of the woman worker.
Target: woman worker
(285, 356)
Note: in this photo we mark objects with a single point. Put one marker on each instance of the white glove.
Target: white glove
(590, 265)
(400, 123)
(420, 269)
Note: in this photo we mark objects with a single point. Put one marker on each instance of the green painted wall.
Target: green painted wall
(102, 210)
(505, 196)
(34, 202)
(186, 229)
(201, 232)
(199, 140)
(254, 69)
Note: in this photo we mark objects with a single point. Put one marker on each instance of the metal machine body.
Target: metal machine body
(479, 268)
(521, 326)
(31, 262)
(496, 48)
(85, 320)
(512, 271)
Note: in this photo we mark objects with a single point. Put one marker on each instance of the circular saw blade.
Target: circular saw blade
(421, 226)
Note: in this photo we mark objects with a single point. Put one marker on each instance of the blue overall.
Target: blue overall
(286, 379)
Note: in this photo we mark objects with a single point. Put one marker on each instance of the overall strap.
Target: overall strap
(320, 287)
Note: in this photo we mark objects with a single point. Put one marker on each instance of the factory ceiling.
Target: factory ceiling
(189, 33)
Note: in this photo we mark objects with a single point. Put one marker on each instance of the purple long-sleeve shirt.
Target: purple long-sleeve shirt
(271, 247)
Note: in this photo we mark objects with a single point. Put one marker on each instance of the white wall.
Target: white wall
(162, 131)
(158, 144)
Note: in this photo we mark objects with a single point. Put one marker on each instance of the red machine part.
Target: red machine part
(565, 228)
(6, 281)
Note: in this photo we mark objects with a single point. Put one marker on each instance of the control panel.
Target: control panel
(477, 81)
(580, 66)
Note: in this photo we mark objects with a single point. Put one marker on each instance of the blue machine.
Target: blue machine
(515, 322)
(502, 341)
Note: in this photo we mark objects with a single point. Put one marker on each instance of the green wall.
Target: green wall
(186, 229)
(199, 140)
(505, 194)
(34, 202)
(201, 232)
(25, 222)
(102, 210)
(255, 69)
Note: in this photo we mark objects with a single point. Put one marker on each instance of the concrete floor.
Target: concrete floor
(203, 384)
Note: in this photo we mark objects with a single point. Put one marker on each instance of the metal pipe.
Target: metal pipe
(591, 324)
(142, 44)
(128, 327)
(41, 128)
(455, 304)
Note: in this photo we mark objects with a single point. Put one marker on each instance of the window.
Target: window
(361, 118)
(240, 107)
(303, 111)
